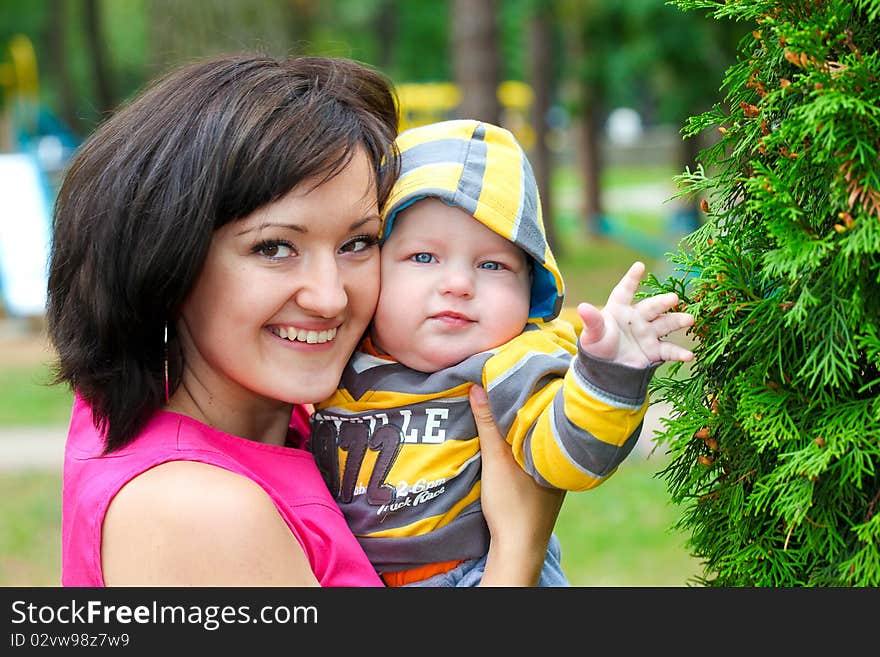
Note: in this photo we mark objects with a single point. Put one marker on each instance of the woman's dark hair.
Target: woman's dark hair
(205, 145)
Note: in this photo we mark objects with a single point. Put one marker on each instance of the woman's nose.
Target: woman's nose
(323, 290)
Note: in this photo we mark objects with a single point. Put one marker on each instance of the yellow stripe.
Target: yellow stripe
(526, 416)
(556, 334)
(340, 397)
(496, 209)
(463, 130)
(376, 400)
(434, 462)
(607, 423)
(552, 464)
(444, 175)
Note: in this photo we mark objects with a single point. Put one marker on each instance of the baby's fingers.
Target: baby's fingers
(669, 352)
(594, 323)
(657, 305)
(625, 290)
(669, 322)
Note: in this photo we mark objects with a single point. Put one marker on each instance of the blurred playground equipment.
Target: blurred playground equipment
(20, 86)
(426, 102)
(34, 146)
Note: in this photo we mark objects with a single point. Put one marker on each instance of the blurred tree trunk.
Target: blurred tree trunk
(98, 60)
(587, 132)
(300, 21)
(58, 58)
(589, 135)
(541, 73)
(385, 32)
(181, 30)
(476, 62)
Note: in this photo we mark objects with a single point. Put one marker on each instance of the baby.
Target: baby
(470, 295)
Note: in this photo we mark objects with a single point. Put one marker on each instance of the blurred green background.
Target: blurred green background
(596, 90)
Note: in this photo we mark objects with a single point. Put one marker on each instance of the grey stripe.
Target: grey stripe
(628, 385)
(471, 181)
(466, 537)
(616, 401)
(583, 450)
(561, 368)
(526, 232)
(529, 460)
(393, 377)
(434, 152)
(509, 394)
(520, 205)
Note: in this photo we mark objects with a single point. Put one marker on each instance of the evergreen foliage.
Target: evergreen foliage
(774, 434)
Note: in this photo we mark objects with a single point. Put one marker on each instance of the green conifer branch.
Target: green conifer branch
(774, 436)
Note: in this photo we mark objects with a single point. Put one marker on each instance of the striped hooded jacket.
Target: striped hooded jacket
(399, 448)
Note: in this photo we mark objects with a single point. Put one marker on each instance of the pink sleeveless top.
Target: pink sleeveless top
(288, 475)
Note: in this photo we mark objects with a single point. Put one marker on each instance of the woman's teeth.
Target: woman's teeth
(302, 335)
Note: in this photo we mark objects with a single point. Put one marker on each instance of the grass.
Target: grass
(618, 534)
(592, 269)
(30, 528)
(28, 400)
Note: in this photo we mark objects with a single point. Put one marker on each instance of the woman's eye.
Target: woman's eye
(360, 243)
(492, 265)
(274, 249)
(424, 258)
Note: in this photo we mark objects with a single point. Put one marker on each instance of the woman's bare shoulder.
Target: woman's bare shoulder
(185, 523)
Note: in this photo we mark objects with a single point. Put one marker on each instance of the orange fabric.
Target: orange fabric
(368, 347)
(403, 577)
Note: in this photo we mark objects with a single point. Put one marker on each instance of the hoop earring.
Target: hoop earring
(166, 361)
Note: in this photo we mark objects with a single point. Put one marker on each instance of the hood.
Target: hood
(482, 169)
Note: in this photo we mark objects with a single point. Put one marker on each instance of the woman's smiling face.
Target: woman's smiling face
(286, 293)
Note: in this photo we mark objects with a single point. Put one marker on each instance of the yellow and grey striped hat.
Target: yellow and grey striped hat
(482, 169)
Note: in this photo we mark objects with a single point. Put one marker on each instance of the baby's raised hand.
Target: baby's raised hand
(632, 334)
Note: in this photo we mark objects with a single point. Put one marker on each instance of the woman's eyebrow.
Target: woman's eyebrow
(371, 218)
(273, 224)
(302, 229)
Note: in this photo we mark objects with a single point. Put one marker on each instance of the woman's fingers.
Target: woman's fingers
(520, 513)
(491, 440)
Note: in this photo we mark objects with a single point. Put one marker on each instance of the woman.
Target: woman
(214, 264)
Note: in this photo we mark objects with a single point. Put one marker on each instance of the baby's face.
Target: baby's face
(450, 288)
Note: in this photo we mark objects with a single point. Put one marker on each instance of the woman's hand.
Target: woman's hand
(520, 513)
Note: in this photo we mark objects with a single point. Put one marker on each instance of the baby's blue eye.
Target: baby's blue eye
(492, 265)
(424, 258)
